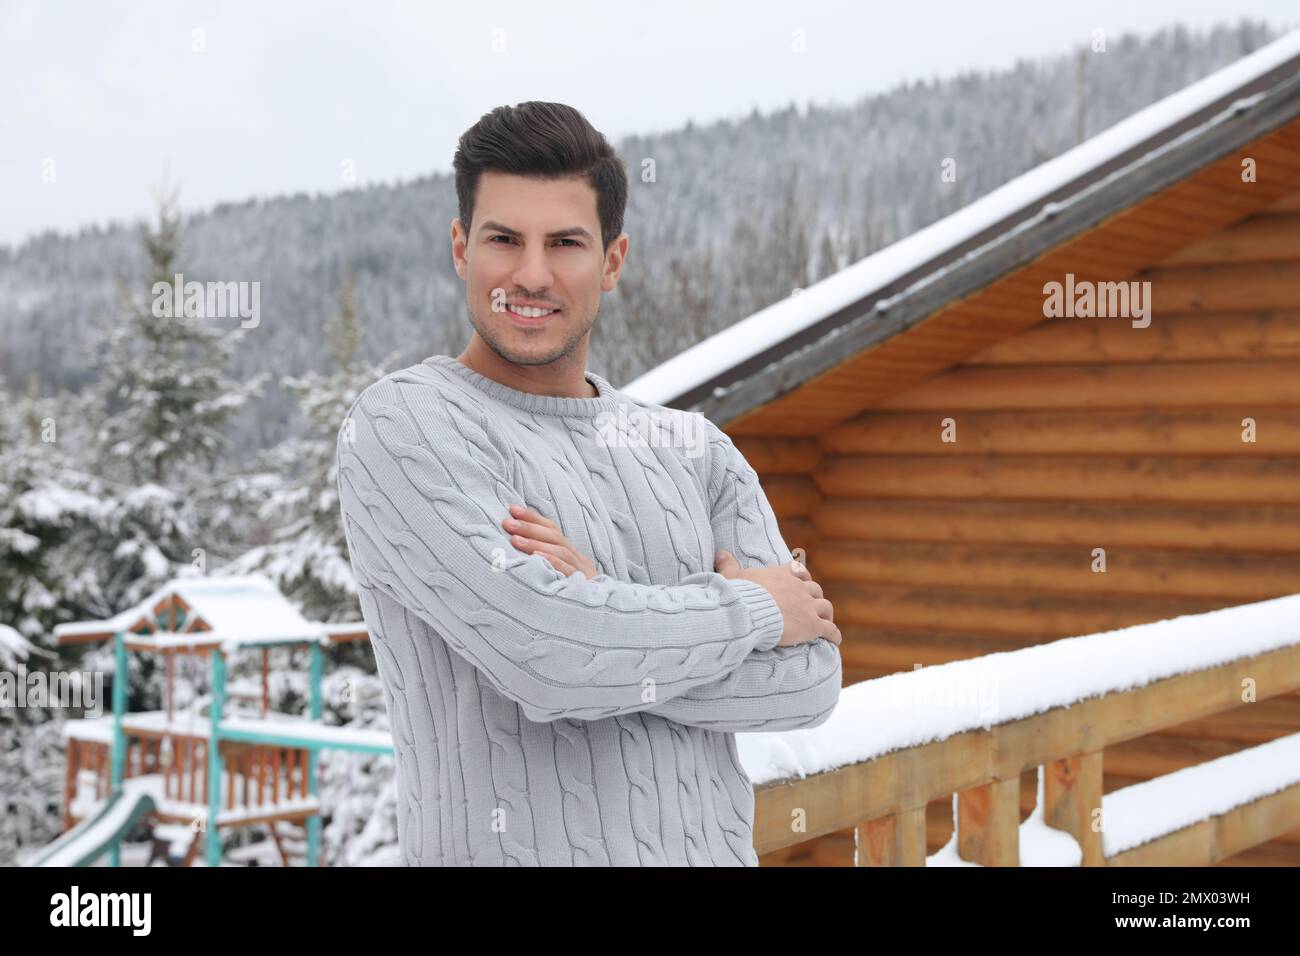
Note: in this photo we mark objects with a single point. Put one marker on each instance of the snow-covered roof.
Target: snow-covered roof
(244, 609)
(787, 324)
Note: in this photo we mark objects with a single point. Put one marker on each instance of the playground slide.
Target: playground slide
(93, 837)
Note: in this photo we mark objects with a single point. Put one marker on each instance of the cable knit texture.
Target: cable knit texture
(553, 720)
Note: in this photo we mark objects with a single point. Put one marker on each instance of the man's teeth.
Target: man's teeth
(529, 313)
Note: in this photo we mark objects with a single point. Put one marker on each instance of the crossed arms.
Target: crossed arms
(424, 483)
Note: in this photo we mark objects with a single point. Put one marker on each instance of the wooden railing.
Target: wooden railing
(884, 799)
(257, 777)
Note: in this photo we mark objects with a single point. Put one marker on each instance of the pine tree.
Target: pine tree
(163, 383)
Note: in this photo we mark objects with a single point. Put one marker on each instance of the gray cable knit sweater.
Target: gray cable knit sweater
(540, 719)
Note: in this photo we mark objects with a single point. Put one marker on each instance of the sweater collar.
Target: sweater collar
(608, 400)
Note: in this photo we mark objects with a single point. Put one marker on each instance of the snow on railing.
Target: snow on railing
(972, 727)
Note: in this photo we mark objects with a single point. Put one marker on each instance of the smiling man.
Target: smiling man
(571, 623)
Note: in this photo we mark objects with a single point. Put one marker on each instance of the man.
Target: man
(564, 665)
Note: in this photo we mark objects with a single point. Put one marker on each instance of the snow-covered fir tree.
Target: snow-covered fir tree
(163, 401)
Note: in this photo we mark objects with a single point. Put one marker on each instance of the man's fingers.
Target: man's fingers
(724, 562)
(551, 552)
(813, 588)
(525, 513)
(537, 532)
(825, 610)
(564, 567)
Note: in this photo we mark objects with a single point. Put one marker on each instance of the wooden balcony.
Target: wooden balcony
(1196, 816)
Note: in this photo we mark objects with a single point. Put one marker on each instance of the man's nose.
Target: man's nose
(534, 272)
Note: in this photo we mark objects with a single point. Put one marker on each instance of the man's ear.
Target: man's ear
(615, 259)
(459, 237)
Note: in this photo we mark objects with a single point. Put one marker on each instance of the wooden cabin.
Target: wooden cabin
(969, 473)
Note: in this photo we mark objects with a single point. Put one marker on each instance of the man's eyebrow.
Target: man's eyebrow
(558, 234)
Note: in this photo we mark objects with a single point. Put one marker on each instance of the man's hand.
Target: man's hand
(537, 534)
(807, 614)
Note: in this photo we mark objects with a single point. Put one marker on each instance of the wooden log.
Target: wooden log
(1233, 578)
(1200, 385)
(1094, 432)
(1287, 204)
(275, 775)
(779, 456)
(790, 495)
(800, 532)
(1274, 528)
(1072, 802)
(1274, 238)
(1255, 723)
(900, 649)
(1201, 480)
(1041, 615)
(1210, 336)
(1245, 286)
(1164, 753)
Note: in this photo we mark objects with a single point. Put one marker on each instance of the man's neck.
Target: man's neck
(563, 378)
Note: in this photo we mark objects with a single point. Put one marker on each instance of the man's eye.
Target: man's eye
(511, 239)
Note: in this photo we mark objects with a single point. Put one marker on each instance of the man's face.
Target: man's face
(534, 242)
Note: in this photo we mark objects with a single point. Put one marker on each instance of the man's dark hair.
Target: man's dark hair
(542, 141)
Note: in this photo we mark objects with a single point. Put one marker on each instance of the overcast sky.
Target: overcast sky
(243, 99)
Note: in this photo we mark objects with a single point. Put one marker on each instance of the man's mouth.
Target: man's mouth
(526, 315)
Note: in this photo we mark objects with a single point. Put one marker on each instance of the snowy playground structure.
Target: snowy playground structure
(194, 775)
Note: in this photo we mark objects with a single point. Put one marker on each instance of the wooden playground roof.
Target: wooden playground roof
(205, 611)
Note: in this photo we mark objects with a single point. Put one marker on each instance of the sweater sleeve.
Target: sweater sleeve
(424, 483)
(777, 688)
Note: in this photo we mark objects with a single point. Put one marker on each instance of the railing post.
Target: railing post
(1072, 800)
(214, 756)
(895, 840)
(988, 823)
(117, 765)
(313, 761)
